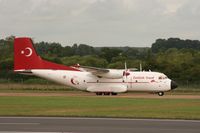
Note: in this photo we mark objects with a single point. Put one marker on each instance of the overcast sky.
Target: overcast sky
(100, 22)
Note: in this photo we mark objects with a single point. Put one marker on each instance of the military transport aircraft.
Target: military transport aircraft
(101, 81)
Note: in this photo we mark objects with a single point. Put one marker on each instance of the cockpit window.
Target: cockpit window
(162, 77)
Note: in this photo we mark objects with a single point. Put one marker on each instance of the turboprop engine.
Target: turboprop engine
(112, 74)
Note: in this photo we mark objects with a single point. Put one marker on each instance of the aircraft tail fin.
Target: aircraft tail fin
(26, 57)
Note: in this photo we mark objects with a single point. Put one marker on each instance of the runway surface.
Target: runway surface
(96, 125)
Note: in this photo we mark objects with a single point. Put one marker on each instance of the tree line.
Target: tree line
(177, 58)
(164, 44)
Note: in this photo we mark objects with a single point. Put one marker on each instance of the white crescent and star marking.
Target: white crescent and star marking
(74, 82)
(29, 53)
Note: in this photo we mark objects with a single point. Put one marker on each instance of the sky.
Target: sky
(134, 23)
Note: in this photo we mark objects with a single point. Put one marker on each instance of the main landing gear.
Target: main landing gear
(106, 93)
(160, 93)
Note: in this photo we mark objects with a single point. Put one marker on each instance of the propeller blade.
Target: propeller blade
(140, 66)
(125, 66)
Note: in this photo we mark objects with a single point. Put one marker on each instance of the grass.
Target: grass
(92, 106)
(88, 106)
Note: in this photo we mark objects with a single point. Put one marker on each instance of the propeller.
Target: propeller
(125, 66)
(126, 73)
(140, 66)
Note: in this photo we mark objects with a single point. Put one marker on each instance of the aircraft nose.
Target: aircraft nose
(173, 85)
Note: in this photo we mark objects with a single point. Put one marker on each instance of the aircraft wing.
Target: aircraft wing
(95, 70)
(103, 72)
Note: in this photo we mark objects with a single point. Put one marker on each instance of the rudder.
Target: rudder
(26, 58)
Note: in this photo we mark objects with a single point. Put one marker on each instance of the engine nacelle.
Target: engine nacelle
(112, 74)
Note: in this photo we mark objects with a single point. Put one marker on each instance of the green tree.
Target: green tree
(108, 53)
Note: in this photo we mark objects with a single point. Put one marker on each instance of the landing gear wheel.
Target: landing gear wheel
(114, 94)
(160, 93)
(99, 93)
(107, 93)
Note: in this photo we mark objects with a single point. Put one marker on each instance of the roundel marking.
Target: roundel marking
(30, 51)
(74, 82)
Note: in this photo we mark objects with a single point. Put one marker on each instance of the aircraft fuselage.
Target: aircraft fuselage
(136, 81)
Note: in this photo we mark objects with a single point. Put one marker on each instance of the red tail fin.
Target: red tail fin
(26, 58)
